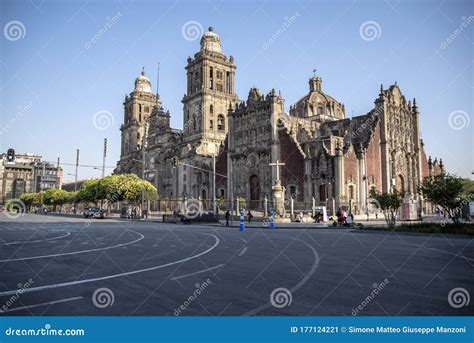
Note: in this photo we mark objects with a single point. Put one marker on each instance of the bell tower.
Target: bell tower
(210, 93)
(137, 109)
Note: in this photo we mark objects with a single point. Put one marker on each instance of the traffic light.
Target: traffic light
(10, 155)
(175, 161)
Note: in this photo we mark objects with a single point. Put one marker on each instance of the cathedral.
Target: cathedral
(310, 156)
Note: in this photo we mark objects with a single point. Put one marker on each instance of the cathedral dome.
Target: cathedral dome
(317, 104)
(210, 41)
(142, 83)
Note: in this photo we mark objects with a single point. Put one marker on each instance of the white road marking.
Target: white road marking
(77, 252)
(298, 285)
(38, 240)
(441, 251)
(198, 272)
(42, 304)
(243, 251)
(78, 282)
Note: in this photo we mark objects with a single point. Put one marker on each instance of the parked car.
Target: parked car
(93, 212)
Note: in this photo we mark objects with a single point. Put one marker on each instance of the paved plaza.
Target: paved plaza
(74, 266)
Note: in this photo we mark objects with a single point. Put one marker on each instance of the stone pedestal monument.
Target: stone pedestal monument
(278, 192)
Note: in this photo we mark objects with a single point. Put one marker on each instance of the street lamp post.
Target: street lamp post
(75, 188)
(145, 134)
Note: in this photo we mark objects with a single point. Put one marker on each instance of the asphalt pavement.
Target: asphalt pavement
(72, 266)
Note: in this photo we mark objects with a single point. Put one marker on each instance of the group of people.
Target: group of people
(344, 218)
(133, 213)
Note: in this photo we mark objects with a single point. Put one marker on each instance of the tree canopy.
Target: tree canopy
(446, 191)
(113, 188)
(388, 203)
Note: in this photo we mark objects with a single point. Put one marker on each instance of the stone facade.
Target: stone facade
(328, 159)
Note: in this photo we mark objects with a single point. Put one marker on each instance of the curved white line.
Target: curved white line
(38, 240)
(438, 250)
(77, 252)
(72, 283)
(42, 304)
(198, 272)
(297, 286)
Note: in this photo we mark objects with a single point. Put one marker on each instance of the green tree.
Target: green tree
(388, 203)
(30, 200)
(56, 197)
(91, 191)
(131, 188)
(446, 191)
(468, 187)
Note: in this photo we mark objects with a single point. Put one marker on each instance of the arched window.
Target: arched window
(138, 136)
(211, 124)
(220, 122)
(211, 109)
(320, 110)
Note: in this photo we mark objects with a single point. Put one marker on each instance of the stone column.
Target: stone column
(308, 189)
(362, 182)
(338, 177)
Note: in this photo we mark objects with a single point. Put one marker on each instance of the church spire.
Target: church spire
(315, 82)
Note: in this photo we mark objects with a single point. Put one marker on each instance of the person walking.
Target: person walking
(250, 216)
(227, 217)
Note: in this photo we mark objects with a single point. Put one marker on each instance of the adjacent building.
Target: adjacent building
(27, 174)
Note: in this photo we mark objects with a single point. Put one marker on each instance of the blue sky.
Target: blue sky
(53, 81)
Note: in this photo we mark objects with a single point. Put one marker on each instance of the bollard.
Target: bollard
(271, 221)
(242, 221)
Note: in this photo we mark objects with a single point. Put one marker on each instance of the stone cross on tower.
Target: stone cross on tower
(277, 164)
